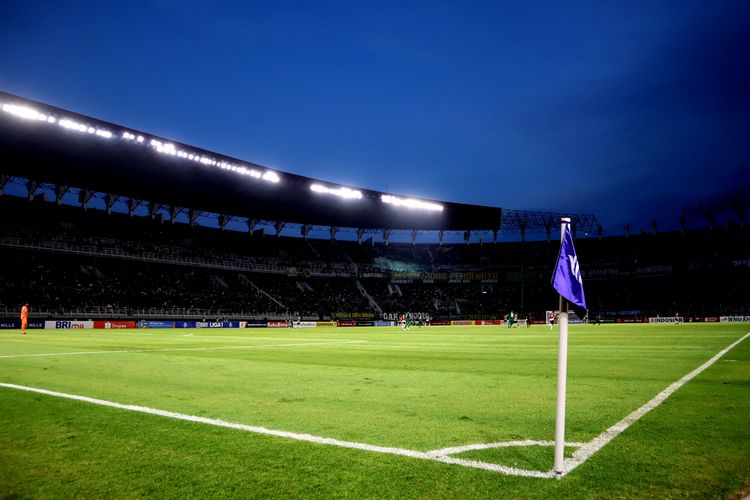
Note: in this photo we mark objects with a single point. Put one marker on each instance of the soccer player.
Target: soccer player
(24, 318)
(511, 319)
(551, 320)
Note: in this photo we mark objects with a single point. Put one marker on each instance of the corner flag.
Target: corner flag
(567, 277)
(568, 283)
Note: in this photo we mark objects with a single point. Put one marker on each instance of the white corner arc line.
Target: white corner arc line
(586, 451)
(502, 444)
(292, 435)
(173, 349)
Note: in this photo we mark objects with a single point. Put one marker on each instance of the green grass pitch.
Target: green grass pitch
(427, 389)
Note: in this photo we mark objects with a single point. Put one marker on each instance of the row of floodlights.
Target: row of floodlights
(159, 146)
(32, 114)
(170, 149)
(353, 194)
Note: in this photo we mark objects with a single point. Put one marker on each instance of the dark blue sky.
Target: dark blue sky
(627, 110)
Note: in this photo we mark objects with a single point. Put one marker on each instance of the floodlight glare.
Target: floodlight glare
(71, 125)
(410, 203)
(24, 112)
(270, 176)
(341, 192)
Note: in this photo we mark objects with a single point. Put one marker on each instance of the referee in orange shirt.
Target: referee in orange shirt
(24, 318)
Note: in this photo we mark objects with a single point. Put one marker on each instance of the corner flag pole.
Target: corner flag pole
(562, 374)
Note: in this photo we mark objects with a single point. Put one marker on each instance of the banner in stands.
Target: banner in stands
(184, 324)
(155, 324)
(325, 323)
(433, 277)
(667, 319)
(114, 324)
(365, 323)
(68, 325)
(276, 324)
(256, 323)
(354, 315)
(461, 322)
(15, 324)
(391, 316)
(346, 323)
(385, 323)
(734, 319)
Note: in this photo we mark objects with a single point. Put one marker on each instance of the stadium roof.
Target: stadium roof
(49, 144)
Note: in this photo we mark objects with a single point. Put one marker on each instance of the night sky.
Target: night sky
(627, 110)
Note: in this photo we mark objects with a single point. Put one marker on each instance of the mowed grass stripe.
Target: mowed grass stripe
(176, 349)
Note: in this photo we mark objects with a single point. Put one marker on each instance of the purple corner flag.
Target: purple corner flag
(567, 278)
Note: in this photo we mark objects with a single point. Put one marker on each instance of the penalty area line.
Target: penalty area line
(310, 438)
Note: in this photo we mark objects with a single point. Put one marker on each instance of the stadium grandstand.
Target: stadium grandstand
(102, 221)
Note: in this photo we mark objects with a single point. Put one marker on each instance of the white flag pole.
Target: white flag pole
(562, 375)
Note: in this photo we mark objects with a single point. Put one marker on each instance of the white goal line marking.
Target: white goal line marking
(292, 435)
(171, 349)
(596, 444)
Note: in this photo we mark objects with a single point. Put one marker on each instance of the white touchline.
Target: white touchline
(171, 349)
(596, 444)
(292, 435)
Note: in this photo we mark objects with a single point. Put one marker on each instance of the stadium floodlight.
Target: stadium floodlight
(341, 192)
(73, 125)
(25, 112)
(69, 124)
(271, 176)
(410, 203)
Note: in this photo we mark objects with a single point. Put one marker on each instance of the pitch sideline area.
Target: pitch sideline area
(584, 452)
(366, 340)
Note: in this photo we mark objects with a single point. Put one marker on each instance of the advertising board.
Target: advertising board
(114, 324)
(666, 319)
(15, 324)
(68, 325)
